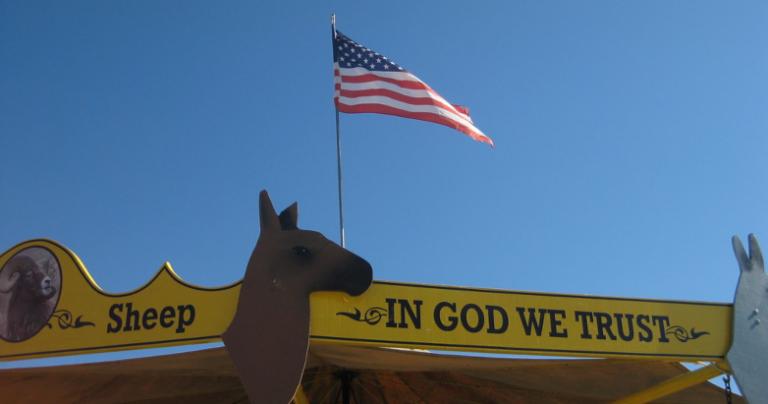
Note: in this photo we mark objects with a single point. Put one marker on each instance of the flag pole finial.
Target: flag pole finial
(333, 24)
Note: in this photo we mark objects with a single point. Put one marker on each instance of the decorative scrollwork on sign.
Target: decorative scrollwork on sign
(683, 335)
(64, 320)
(372, 316)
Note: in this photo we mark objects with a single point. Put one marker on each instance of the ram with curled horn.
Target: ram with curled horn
(30, 290)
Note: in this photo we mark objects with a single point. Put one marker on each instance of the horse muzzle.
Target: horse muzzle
(356, 277)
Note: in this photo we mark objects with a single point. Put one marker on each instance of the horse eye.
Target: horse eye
(302, 251)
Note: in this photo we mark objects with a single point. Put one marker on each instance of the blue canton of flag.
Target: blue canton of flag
(348, 53)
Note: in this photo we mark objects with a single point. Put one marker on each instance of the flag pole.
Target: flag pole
(338, 153)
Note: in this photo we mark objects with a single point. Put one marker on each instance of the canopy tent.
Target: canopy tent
(373, 375)
(636, 343)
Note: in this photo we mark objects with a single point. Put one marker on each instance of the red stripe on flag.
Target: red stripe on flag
(395, 96)
(368, 78)
(464, 110)
(422, 116)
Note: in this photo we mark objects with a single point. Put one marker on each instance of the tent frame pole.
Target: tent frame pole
(676, 384)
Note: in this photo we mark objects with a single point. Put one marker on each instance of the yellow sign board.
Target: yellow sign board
(49, 305)
(451, 318)
(73, 315)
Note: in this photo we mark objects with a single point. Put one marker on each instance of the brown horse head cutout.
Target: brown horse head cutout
(269, 335)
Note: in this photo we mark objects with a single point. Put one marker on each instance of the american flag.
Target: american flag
(367, 82)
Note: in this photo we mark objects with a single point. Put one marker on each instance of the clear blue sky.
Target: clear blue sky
(631, 139)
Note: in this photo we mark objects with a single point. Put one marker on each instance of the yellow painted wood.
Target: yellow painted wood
(500, 321)
(168, 311)
(300, 397)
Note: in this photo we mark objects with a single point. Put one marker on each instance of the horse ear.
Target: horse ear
(289, 218)
(267, 216)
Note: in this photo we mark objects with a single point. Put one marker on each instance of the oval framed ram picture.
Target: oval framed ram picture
(30, 286)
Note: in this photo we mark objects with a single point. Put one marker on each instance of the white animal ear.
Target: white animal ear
(289, 218)
(267, 216)
(755, 255)
(741, 256)
(748, 262)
